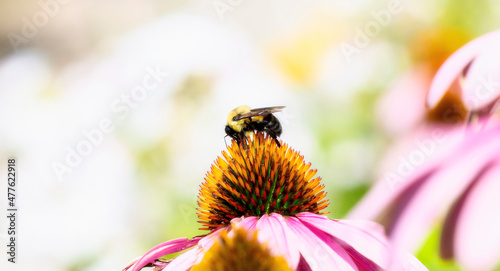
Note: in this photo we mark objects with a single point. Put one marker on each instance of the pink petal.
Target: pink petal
(435, 144)
(185, 261)
(338, 245)
(163, 249)
(131, 263)
(274, 231)
(407, 97)
(416, 214)
(380, 197)
(394, 202)
(364, 236)
(366, 242)
(454, 66)
(320, 254)
(303, 265)
(447, 242)
(191, 257)
(482, 84)
(477, 235)
(249, 223)
(207, 241)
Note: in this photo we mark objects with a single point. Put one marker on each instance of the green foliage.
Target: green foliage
(429, 254)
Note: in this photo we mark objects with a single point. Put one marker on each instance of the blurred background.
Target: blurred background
(115, 110)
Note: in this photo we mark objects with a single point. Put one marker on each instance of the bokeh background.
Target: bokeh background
(115, 110)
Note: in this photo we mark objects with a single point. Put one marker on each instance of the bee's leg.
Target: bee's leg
(273, 136)
(277, 142)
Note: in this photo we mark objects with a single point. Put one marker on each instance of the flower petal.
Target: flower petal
(131, 263)
(366, 242)
(477, 236)
(163, 249)
(274, 230)
(436, 184)
(185, 261)
(447, 242)
(454, 66)
(303, 265)
(482, 84)
(317, 252)
(191, 257)
(416, 214)
(366, 237)
(249, 223)
(433, 144)
(361, 262)
(407, 97)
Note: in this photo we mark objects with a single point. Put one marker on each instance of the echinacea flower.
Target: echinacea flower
(476, 66)
(428, 49)
(456, 175)
(454, 185)
(272, 192)
(457, 191)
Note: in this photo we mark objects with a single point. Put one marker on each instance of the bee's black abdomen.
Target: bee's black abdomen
(271, 125)
(274, 125)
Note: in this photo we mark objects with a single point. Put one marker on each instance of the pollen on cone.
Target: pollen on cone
(257, 177)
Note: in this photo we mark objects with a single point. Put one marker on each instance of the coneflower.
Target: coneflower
(454, 187)
(259, 179)
(457, 192)
(272, 192)
(476, 66)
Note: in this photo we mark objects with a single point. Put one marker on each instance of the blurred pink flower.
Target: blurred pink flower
(402, 107)
(270, 190)
(406, 96)
(476, 66)
(450, 179)
(459, 188)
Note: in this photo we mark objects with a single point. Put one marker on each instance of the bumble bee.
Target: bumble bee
(242, 120)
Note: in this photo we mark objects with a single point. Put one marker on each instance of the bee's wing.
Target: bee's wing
(260, 112)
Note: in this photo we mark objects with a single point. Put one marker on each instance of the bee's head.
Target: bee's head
(230, 132)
